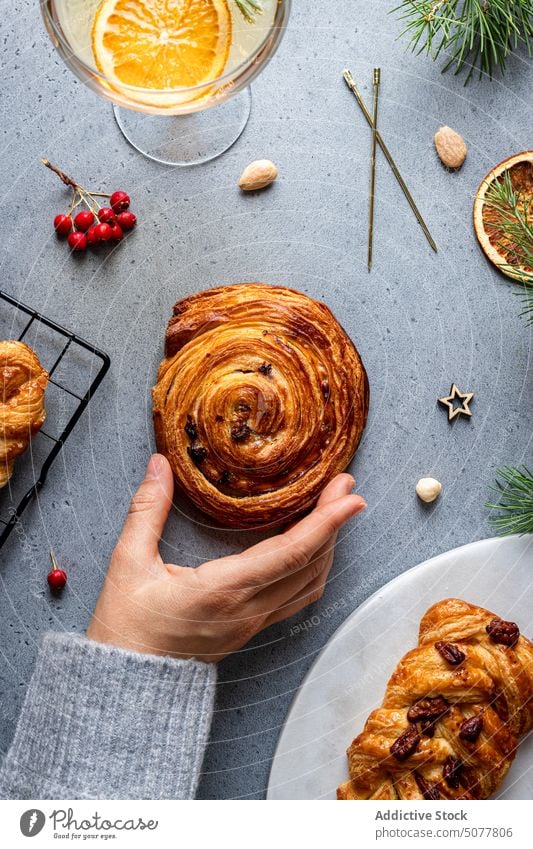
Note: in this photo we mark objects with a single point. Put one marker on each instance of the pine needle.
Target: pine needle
(473, 33)
(515, 508)
(249, 9)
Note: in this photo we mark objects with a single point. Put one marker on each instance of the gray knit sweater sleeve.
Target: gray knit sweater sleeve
(102, 723)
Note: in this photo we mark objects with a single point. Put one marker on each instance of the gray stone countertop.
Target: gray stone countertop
(420, 320)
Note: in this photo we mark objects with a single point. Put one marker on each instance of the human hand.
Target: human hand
(208, 612)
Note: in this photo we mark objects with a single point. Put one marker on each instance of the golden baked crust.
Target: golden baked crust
(262, 398)
(486, 702)
(22, 385)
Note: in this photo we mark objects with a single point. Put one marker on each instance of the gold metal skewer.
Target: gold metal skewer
(350, 82)
(377, 80)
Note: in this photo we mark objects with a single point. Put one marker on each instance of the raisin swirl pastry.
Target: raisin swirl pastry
(23, 381)
(453, 712)
(262, 398)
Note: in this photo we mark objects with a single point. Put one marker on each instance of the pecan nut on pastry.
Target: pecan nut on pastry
(473, 691)
(23, 381)
(261, 399)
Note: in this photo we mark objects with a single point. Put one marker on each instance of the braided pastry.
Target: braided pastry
(261, 400)
(22, 385)
(452, 714)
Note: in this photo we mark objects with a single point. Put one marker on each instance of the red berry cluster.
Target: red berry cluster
(96, 224)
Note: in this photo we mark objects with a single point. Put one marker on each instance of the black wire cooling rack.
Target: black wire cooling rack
(71, 361)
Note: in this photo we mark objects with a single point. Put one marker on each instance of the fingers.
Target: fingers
(149, 510)
(290, 595)
(310, 594)
(339, 486)
(291, 551)
(283, 591)
(278, 595)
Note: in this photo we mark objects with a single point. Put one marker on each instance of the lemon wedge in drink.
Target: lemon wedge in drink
(161, 46)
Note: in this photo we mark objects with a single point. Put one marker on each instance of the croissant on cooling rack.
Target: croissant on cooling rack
(262, 398)
(453, 711)
(23, 382)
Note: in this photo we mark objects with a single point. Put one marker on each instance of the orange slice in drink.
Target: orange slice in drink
(161, 45)
(495, 242)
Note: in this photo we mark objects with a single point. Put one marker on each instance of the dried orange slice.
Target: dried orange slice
(496, 244)
(161, 45)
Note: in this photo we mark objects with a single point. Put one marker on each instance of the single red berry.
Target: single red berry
(77, 241)
(106, 215)
(116, 233)
(84, 220)
(63, 225)
(119, 201)
(92, 237)
(127, 220)
(103, 232)
(57, 580)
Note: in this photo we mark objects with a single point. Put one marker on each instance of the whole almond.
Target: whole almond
(451, 147)
(258, 175)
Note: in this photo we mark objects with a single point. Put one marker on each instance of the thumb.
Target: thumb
(149, 510)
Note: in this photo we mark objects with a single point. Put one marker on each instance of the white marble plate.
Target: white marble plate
(349, 676)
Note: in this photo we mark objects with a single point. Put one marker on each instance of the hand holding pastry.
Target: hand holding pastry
(150, 606)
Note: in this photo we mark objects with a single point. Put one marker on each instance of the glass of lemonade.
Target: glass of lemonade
(177, 71)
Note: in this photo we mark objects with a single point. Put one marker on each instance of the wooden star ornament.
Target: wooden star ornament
(463, 409)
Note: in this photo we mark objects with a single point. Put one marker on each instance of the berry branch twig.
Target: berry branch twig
(76, 200)
(80, 195)
(68, 181)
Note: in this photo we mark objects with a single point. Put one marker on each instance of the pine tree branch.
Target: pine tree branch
(515, 508)
(473, 33)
